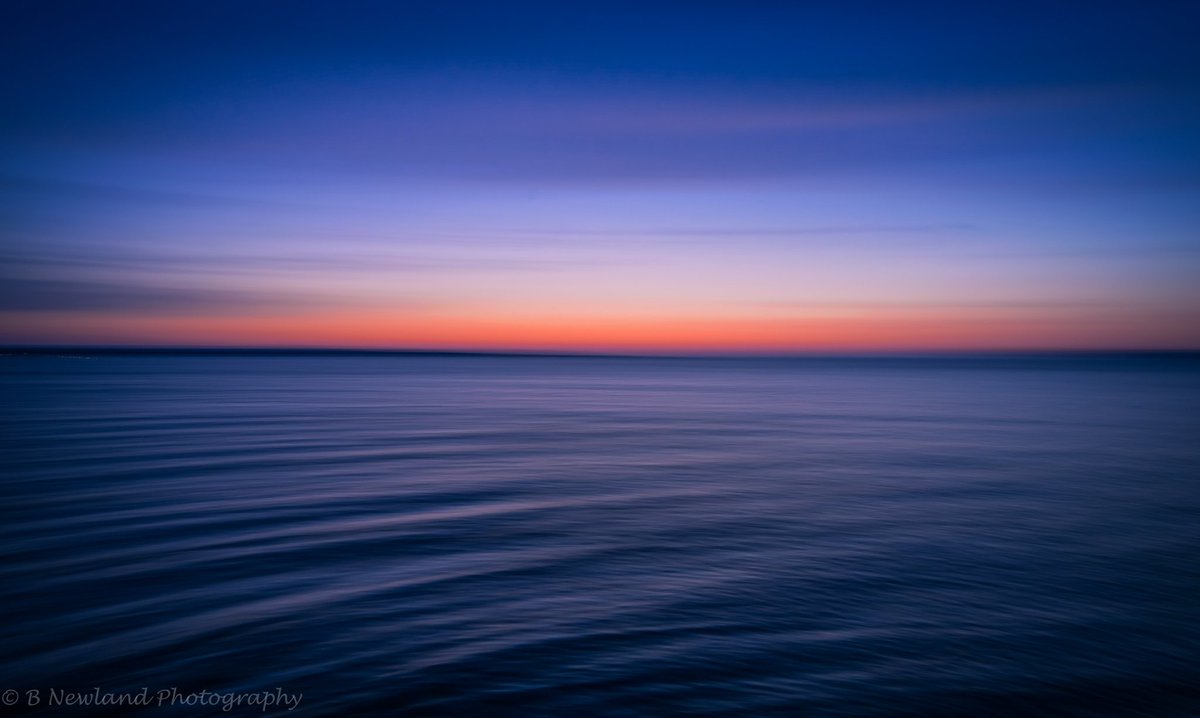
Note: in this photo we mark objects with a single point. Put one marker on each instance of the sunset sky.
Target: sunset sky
(677, 176)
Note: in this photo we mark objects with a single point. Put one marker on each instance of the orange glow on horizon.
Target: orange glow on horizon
(885, 331)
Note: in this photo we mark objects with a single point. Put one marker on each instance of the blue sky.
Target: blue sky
(716, 176)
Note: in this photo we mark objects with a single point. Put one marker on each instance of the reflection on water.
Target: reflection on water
(489, 536)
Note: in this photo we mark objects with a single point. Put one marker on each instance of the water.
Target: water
(489, 536)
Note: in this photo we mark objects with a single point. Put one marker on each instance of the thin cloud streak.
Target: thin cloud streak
(26, 294)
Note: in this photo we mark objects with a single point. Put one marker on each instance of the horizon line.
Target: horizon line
(236, 350)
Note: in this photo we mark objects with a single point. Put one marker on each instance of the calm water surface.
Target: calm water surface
(484, 536)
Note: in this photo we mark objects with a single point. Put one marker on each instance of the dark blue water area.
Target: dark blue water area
(538, 536)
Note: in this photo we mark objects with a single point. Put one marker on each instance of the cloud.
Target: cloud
(841, 231)
(901, 305)
(47, 294)
(174, 281)
(25, 187)
(138, 263)
(560, 134)
(498, 128)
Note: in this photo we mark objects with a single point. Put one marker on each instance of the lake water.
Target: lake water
(499, 536)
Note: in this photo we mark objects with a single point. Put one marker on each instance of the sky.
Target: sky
(650, 176)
